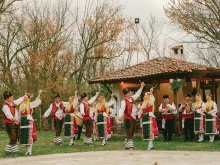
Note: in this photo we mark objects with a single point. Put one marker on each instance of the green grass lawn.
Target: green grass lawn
(45, 145)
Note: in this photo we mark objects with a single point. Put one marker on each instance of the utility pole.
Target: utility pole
(137, 21)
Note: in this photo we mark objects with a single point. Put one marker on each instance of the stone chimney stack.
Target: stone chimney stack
(178, 52)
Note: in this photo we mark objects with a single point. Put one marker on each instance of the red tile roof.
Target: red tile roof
(154, 68)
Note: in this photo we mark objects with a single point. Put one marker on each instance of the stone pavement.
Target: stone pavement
(120, 158)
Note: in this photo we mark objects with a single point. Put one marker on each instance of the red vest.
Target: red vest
(100, 111)
(86, 111)
(147, 109)
(55, 108)
(128, 108)
(25, 112)
(199, 106)
(187, 116)
(69, 111)
(166, 116)
(12, 110)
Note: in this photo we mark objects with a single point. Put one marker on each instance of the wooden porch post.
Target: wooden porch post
(213, 89)
(176, 117)
(197, 85)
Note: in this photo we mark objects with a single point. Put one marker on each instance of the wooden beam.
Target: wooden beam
(213, 89)
(197, 85)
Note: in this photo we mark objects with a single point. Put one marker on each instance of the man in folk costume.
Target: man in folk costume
(211, 120)
(148, 122)
(70, 126)
(168, 109)
(199, 116)
(26, 123)
(101, 117)
(87, 114)
(187, 118)
(129, 110)
(56, 110)
(11, 117)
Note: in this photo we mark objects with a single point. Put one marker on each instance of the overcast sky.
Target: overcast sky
(143, 8)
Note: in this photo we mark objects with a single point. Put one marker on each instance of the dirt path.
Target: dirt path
(120, 158)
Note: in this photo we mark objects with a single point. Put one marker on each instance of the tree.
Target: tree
(175, 86)
(10, 47)
(199, 18)
(99, 33)
(207, 54)
(5, 5)
(148, 35)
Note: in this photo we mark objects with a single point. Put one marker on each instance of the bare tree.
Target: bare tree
(207, 54)
(99, 32)
(148, 35)
(199, 18)
(5, 5)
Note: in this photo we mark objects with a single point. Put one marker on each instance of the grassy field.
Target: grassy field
(45, 145)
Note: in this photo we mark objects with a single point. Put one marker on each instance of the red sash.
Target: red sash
(166, 116)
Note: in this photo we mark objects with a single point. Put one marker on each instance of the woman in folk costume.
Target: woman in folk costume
(148, 122)
(56, 110)
(87, 115)
(211, 120)
(11, 117)
(198, 108)
(79, 120)
(94, 130)
(26, 123)
(70, 127)
(101, 117)
(111, 116)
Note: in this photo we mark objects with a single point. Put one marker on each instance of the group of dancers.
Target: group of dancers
(19, 123)
(97, 117)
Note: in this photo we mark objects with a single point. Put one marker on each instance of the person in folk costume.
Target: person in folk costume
(168, 109)
(199, 116)
(147, 118)
(79, 121)
(11, 119)
(56, 110)
(70, 126)
(27, 121)
(101, 117)
(87, 115)
(129, 110)
(111, 116)
(187, 118)
(94, 130)
(211, 119)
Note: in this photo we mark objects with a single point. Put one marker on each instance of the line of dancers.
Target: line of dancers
(97, 118)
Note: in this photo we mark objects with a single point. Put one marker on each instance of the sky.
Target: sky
(142, 9)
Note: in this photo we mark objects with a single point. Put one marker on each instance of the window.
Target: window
(175, 51)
